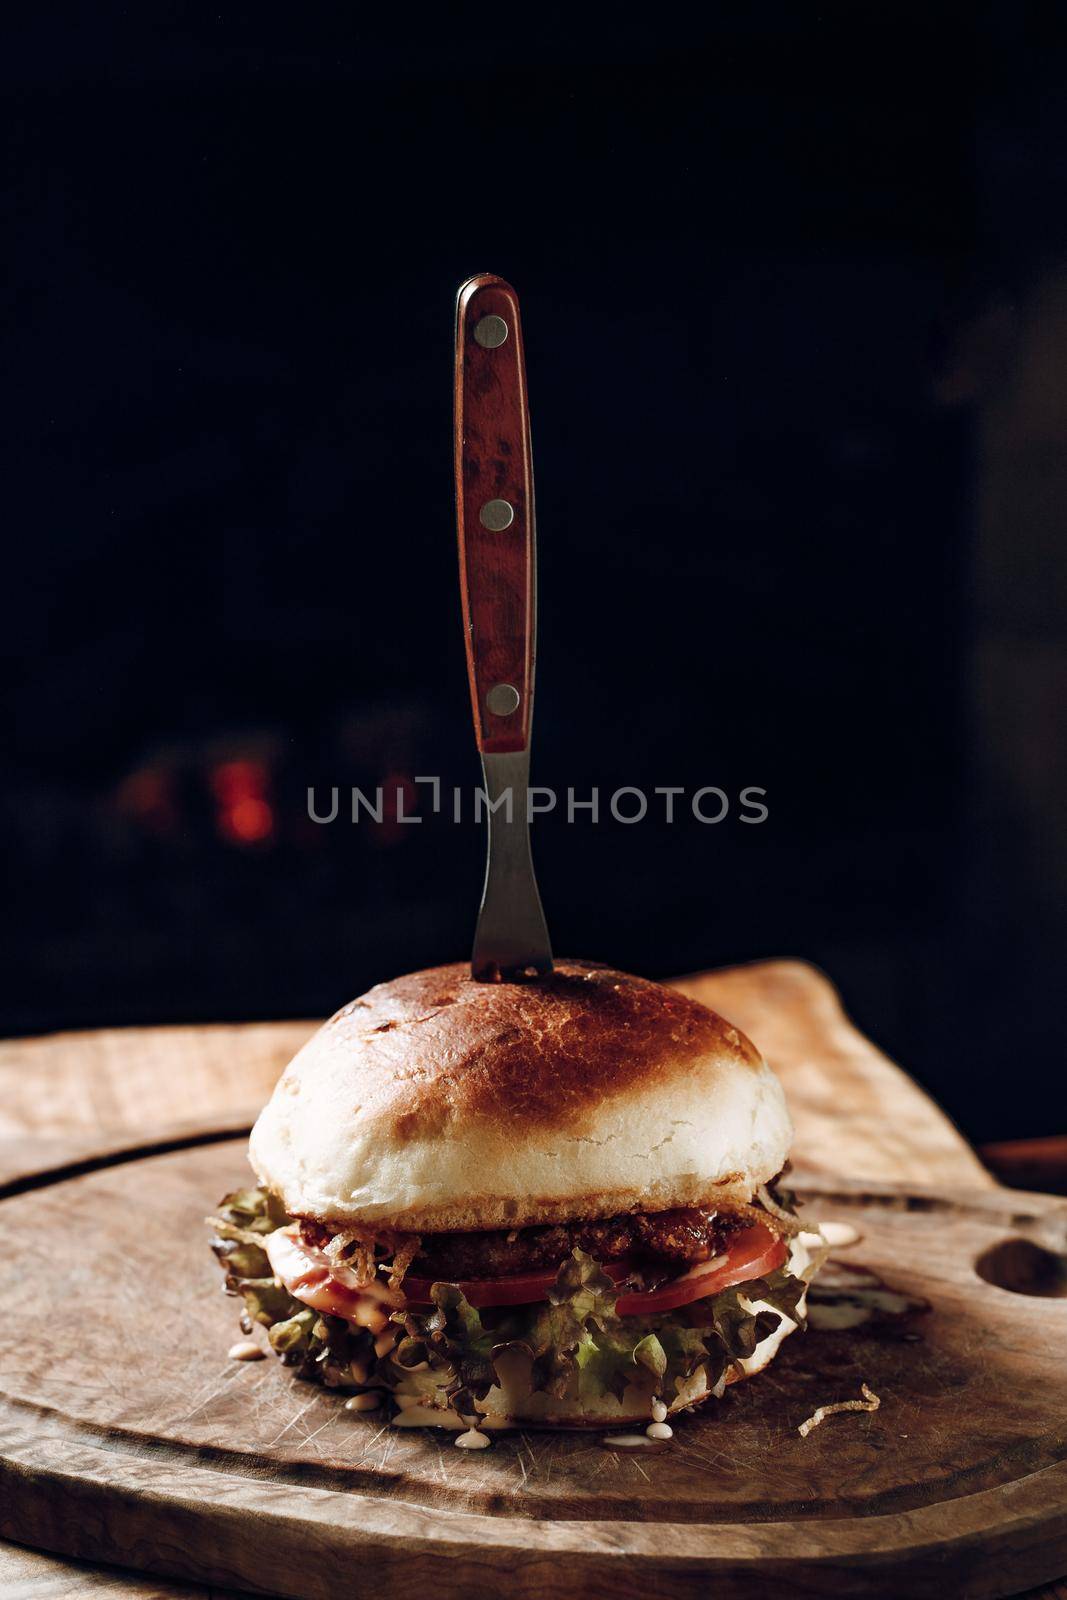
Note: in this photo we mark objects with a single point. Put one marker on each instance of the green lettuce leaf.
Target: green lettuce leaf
(781, 1290)
(457, 1319)
(585, 1289)
(453, 1340)
(554, 1339)
(242, 1222)
(266, 1302)
(568, 1332)
(254, 1211)
(605, 1366)
(294, 1334)
(469, 1345)
(648, 1352)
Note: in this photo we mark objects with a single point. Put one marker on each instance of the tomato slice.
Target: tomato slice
(308, 1276)
(519, 1289)
(752, 1253)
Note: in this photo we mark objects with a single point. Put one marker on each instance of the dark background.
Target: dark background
(796, 327)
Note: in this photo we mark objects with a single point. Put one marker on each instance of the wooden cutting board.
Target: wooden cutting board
(126, 1436)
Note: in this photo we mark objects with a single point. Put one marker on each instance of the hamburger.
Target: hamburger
(551, 1203)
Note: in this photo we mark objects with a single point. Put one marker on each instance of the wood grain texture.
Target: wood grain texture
(32, 1575)
(122, 1080)
(126, 1434)
(493, 461)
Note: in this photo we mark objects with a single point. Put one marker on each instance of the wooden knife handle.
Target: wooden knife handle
(495, 512)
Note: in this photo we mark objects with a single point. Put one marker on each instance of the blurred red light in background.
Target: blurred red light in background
(148, 796)
(245, 814)
(248, 820)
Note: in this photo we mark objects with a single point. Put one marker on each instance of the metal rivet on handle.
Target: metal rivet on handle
(496, 515)
(490, 332)
(502, 699)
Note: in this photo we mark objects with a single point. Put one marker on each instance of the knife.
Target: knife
(498, 585)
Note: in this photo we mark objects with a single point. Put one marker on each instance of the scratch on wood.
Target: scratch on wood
(292, 1423)
(710, 1461)
(391, 1437)
(240, 1373)
(368, 1444)
(330, 1420)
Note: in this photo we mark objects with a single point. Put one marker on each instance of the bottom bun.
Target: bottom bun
(512, 1404)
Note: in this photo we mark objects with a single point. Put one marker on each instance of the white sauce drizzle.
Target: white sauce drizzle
(245, 1350)
(363, 1402)
(424, 1416)
(471, 1440)
(839, 1235)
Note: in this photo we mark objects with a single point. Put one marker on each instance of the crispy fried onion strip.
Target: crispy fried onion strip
(870, 1402)
(787, 1222)
(403, 1256)
(357, 1255)
(781, 1222)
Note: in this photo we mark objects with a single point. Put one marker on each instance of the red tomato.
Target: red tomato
(519, 1290)
(752, 1254)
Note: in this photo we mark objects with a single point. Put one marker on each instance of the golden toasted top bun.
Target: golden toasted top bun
(436, 1104)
